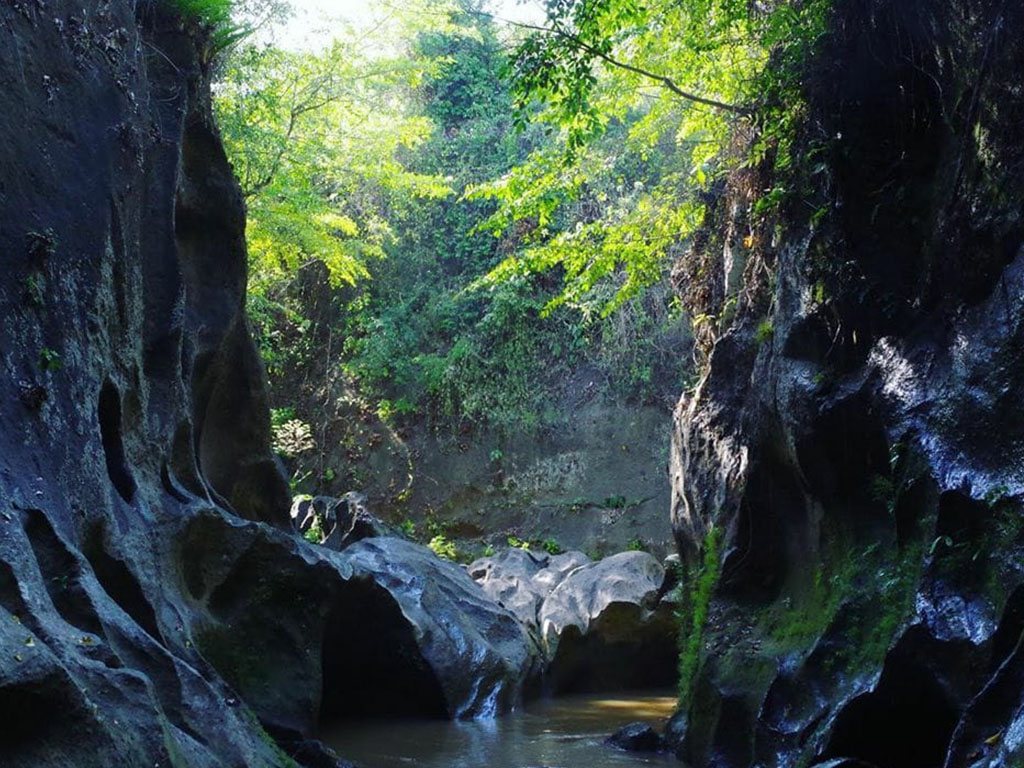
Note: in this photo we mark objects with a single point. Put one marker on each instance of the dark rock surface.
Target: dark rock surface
(156, 608)
(131, 397)
(856, 473)
(637, 737)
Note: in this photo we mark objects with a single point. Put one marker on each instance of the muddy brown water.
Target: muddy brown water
(565, 732)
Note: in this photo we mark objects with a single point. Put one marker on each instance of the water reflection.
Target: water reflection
(566, 732)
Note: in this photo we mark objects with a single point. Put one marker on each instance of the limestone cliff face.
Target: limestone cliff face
(131, 394)
(857, 441)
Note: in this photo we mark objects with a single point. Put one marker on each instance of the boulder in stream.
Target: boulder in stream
(637, 737)
(477, 654)
(599, 624)
(604, 627)
(520, 580)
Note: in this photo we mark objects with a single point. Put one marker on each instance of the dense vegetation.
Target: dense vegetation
(403, 168)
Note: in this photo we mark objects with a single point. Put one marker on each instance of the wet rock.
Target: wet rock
(869, 451)
(637, 737)
(310, 753)
(602, 626)
(306, 634)
(520, 579)
(599, 623)
(479, 654)
(342, 521)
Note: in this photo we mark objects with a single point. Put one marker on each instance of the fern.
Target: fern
(216, 16)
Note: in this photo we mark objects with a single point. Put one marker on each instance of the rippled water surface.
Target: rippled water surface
(566, 732)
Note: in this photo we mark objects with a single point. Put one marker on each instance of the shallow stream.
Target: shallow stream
(566, 732)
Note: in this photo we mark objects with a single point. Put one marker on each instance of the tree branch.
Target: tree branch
(662, 80)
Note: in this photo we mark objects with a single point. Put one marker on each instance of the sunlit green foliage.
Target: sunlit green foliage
(313, 138)
(370, 159)
(443, 547)
(214, 13)
(230, 21)
(692, 72)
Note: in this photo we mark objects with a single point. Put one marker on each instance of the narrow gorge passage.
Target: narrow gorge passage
(462, 383)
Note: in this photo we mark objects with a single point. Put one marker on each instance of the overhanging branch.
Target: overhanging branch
(662, 80)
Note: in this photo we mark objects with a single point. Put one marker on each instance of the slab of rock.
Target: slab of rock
(637, 737)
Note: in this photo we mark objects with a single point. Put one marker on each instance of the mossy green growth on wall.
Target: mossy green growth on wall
(693, 614)
(241, 664)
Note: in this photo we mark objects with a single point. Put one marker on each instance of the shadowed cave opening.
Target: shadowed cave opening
(372, 666)
(615, 655)
(906, 722)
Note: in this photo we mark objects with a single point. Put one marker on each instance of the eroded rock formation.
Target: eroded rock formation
(156, 608)
(604, 625)
(853, 456)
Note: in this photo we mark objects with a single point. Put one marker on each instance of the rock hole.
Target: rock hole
(1011, 626)
(61, 574)
(961, 518)
(119, 582)
(13, 602)
(915, 505)
(845, 459)
(113, 444)
(43, 723)
(170, 486)
(906, 722)
(771, 530)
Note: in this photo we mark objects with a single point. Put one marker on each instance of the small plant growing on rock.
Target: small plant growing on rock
(442, 547)
(216, 16)
(552, 547)
(42, 245)
(49, 360)
(293, 438)
(765, 332)
(315, 533)
(33, 292)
